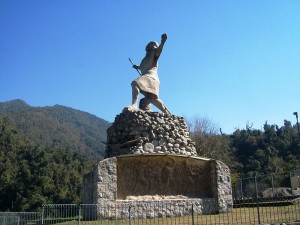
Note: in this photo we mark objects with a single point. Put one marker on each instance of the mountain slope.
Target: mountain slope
(31, 175)
(58, 127)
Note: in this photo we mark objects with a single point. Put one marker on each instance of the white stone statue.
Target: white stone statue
(148, 82)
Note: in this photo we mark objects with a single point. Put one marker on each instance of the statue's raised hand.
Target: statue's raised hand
(164, 37)
(135, 66)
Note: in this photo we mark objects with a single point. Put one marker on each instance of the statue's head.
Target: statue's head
(151, 45)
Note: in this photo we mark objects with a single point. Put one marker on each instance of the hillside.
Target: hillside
(58, 127)
(45, 151)
(31, 175)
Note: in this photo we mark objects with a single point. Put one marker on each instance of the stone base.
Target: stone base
(123, 209)
(152, 170)
(157, 185)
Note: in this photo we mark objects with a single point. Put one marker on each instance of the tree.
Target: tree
(208, 142)
(273, 150)
(31, 175)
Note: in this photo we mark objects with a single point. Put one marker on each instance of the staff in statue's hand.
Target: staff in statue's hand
(135, 67)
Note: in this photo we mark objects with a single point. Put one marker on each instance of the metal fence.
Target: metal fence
(60, 213)
(20, 218)
(257, 200)
(268, 185)
(245, 211)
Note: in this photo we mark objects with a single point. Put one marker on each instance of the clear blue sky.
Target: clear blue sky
(231, 61)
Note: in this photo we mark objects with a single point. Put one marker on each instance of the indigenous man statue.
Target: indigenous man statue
(148, 82)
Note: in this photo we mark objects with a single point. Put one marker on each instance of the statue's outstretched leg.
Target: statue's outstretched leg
(135, 94)
(159, 104)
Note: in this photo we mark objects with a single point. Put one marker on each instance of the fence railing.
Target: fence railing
(268, 185)
(20, 218)
(60, 213)
(245, 211)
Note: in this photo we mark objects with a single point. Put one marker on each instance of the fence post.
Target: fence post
(242, 196)
(272, 180)
(291, 182)
(193, 214)
(129, 217)
(257, 203)
(79, 214)
(43, 212)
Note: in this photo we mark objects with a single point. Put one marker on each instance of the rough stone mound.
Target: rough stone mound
(279, 192)
(139, 132)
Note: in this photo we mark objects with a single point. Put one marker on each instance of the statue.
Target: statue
(148, 82)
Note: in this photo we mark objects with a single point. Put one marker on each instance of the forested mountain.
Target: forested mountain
(58, 127)
(45, 151)
(31, 175)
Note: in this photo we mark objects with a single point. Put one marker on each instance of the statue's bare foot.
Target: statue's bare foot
(131, 108)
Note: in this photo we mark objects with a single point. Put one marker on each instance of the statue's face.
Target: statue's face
(151, 45)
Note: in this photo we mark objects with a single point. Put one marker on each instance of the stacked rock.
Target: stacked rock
(139, 132)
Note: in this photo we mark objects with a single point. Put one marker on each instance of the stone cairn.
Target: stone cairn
(139, 132)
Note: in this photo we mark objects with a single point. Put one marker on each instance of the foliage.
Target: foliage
(273, 150)
(31, 175)
(249, 152)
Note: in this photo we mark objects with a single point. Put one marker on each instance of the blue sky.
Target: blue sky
(230, 61)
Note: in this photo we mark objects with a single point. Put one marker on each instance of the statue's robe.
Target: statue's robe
(148, 82)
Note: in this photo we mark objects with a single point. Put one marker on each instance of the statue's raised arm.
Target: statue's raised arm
(164, 38)
(148, 82)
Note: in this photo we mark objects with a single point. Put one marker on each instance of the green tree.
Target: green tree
(31, 175)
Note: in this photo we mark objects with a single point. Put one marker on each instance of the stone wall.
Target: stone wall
(223, 185)
(101, 183)
(177, 182)
(89, 193)
(153, 209)
(138, 132)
